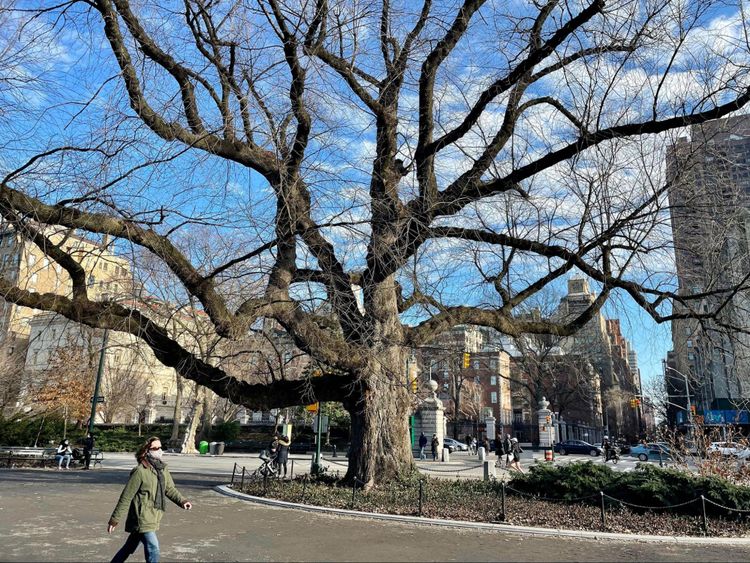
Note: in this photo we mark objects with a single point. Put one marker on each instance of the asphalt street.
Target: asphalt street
(46, 515)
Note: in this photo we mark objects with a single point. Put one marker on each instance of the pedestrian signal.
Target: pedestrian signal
(467, 360)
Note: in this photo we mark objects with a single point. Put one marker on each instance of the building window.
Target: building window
(493, 397)
(477, 379)
(92, 281)
(34, 278)
(31, 260)
(493, 380)
(691, 356)
(689, 343)
(45, 262)
(475, 364)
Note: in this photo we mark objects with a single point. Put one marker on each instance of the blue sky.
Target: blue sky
(73, 67)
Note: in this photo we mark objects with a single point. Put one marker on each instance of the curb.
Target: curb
(507, 528)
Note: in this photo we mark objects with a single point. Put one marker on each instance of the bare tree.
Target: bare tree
(345, 151)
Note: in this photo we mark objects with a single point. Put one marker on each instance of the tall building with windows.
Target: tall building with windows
(26, 266)
(709, 196)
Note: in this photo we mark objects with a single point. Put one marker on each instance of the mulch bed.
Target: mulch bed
(456, 500)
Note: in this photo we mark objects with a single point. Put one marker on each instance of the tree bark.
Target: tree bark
(188, 441)
(380, 403)
(177, 410)
(380, 447)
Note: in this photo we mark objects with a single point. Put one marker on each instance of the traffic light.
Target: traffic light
(467, 360)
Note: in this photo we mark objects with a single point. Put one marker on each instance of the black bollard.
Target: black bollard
(421, 495)
(233, 470)
(604, 517)
(503, 500)
(354, 491)
(333, 447)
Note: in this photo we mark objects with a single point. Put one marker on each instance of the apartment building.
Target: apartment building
(709, 196)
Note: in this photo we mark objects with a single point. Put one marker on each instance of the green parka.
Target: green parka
(138, 499)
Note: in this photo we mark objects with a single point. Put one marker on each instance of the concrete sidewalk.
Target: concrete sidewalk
(62, 516)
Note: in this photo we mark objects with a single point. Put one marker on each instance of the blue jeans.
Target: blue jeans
(150, 547)
(59, 458)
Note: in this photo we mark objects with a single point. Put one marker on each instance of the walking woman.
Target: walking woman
(516, 451)
(144, 501)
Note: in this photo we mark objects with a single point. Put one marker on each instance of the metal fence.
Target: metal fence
(419, 492)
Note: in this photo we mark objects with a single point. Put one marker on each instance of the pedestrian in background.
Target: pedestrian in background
(486, 444)
(283, 454)
(500, 451)
(473, 446)
(508, 449)
(435, 445)
(516, 451)
(422, 446)
(143, 499)
(88, 448)
(63, 454)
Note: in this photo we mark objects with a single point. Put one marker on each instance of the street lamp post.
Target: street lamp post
(97, 385)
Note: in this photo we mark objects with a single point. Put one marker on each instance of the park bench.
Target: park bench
(24, 457)
(41, 457)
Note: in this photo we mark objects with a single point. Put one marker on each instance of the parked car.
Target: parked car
(729, 449)
(454, 445)
(577, 447)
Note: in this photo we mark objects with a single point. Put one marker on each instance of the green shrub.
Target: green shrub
(26, 431)
(648, 485)
(226, 431)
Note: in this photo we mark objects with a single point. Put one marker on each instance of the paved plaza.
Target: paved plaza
(47, 515)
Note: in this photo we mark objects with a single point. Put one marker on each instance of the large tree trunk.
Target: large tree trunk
(381, 401)
(380, 446)
(188, 441)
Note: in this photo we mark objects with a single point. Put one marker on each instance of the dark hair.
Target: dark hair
(140, 455)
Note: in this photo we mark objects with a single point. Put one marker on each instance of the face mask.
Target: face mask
(156, 454)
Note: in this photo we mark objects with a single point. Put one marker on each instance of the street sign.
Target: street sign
(99, 399)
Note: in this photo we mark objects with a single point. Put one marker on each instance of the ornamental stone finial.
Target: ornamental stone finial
(543, 404)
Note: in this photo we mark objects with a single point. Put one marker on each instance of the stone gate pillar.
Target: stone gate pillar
(430, 418)
(546, 428)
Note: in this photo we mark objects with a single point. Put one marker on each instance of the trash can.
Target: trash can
(219, 448)
(203, 448)
(212, 448)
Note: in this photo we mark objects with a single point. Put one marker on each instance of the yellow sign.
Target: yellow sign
(467, 360)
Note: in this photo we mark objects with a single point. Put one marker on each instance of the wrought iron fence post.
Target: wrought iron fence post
(503, 500)
(242, 479)
(265, 483)
(233, 470)
(705, 520)
(291, 472)
(304, 488)
(604, 516)
(354, 491)
(421, 495)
